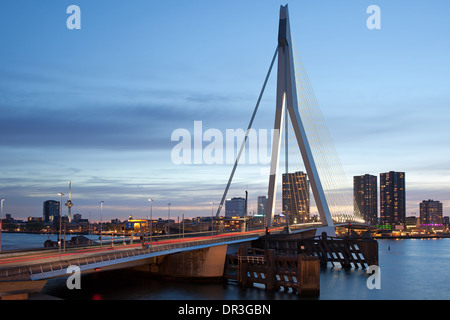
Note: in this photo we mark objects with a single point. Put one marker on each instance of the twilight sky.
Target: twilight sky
(98, 106)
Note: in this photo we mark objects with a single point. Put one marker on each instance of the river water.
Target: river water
(411, 269)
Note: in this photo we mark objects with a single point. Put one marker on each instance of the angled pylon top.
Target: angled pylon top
(283, 26)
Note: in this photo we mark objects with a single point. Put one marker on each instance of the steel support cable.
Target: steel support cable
(304, 196)
(342, 185)
(246, 135)
(324, 175)
(310, 128)
(314, 133)
(299, 161)
(311, 131)
(338, 181)
(337, 185)
(295, 153)
(326, 167)
(311, 139)
(301, 103)
(309, 122)
(301, 199)
(319, 144)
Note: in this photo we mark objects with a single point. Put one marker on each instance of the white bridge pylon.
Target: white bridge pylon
(286, 101)
(287, 106)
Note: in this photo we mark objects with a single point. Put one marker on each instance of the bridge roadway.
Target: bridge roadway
(47, 264)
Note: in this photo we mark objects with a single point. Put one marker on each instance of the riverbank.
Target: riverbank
(47, 233)
(422, 236)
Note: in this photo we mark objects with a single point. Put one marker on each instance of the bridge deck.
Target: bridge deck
(46, 265)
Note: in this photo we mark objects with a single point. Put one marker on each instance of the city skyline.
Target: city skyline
(97, 106)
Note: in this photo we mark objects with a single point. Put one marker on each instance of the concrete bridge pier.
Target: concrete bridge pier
(20, 289)
(197, 264)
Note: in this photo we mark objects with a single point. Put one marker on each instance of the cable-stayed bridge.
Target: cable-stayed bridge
(310, 142)
(306, 139)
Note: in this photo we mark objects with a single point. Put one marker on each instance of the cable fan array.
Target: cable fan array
(338, 191)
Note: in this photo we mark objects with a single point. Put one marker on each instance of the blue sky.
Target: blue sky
(97, 106)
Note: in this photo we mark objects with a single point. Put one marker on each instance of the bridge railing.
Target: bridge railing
(58, 268)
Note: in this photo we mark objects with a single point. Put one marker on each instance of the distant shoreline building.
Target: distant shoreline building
(50, 210)
(296, 197)
(431, 213)
(235, 207)
(262, 206)
(365, 197)
(392, 199)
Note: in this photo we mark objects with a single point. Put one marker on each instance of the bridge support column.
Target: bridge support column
(18, 290)
(197, 264)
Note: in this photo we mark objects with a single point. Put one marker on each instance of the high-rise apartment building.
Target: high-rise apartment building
(392, 198)
(365, 197)
(430, 213)
(50, 210)
(235, 207)
(296, 197)
(262, 205)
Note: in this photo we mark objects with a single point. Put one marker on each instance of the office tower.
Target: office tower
(235, 207)
(365, 197)
(392, 198)
(430, 213)
(51, 210)
(296, 197)
(262, 205)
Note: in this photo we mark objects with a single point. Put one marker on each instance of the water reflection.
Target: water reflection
(410, 269)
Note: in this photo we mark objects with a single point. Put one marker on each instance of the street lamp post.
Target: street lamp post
(151, 219)
(168, 220)
(60, 222)
(1, 217)
(182, 222)
(212, 218)
(101, 223)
